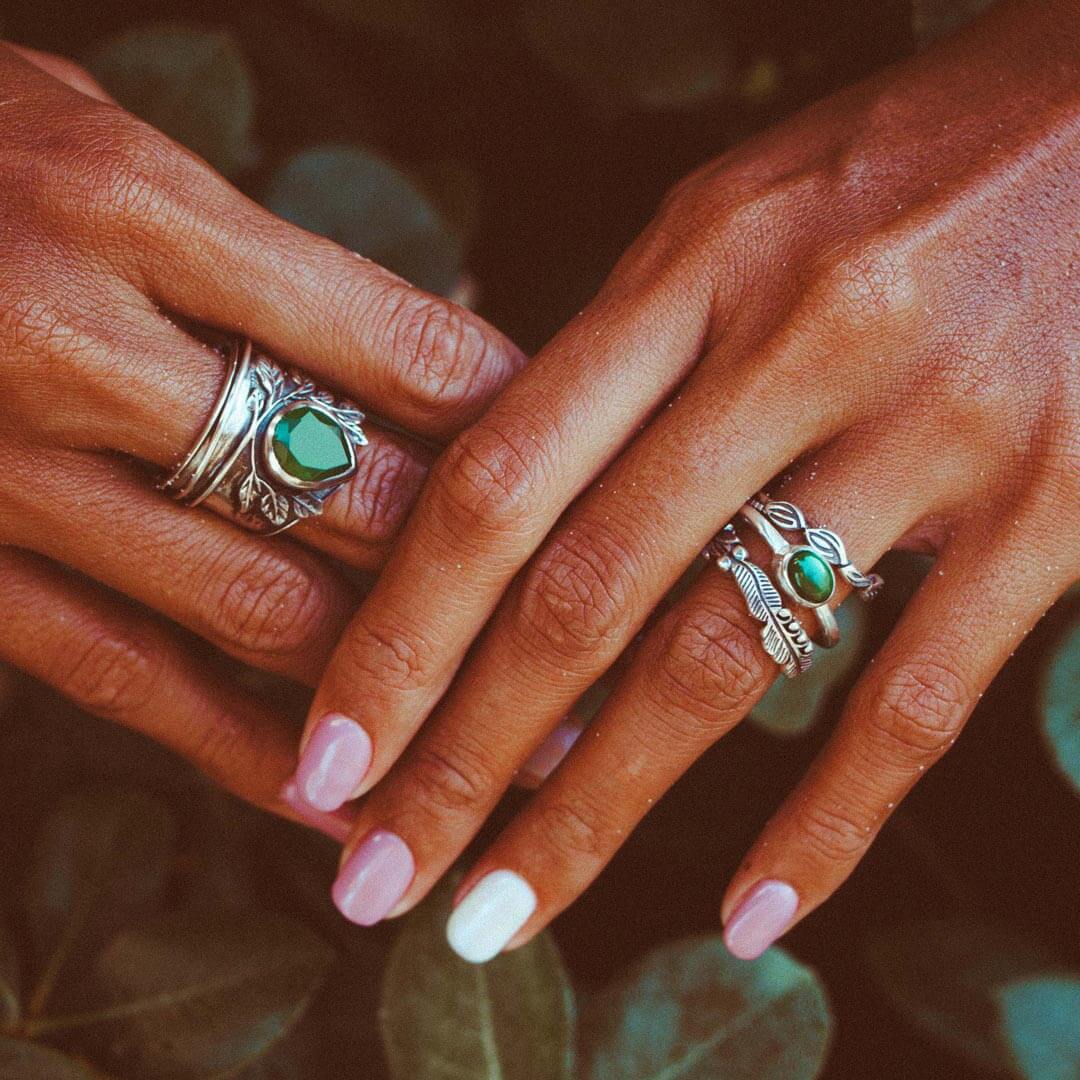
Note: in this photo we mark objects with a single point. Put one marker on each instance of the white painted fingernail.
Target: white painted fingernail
(494, 910)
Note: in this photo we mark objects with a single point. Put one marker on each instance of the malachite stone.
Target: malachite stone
(310, 446)
(811, 577)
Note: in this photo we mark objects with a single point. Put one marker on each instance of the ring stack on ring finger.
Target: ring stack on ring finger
(274, 448)
(802, 571)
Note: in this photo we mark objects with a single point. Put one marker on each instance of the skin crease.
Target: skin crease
(107, 226)
(871, 310)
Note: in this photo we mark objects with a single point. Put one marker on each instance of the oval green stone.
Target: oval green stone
(310, 446)
(811, 577)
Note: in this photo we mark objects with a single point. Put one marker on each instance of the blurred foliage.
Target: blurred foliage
(511, 1019)
(365, 204)
(193, 84)
(1061, 705)
(691, 1011)
(151, 927)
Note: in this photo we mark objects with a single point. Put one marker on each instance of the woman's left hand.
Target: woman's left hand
(878, 303)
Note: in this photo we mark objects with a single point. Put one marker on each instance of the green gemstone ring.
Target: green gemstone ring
(274, 448)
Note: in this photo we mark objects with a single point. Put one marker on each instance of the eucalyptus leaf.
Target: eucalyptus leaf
(931, 19)
(20, 1060)
(191, 83)
(691, 1011)
(445, 1019)
(1061, 705)
(102, 857)
(644, 54)
(10, 1008)
(195, 993)
(364, 203)
(946, 978)
(791, 705)
(1041, 1018)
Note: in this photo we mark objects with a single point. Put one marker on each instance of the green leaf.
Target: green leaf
(691, 1011)
(946, 977)
(10, 1008)
(1061, 706)
(932, 18)
(193, 84)
(364, 203)
(196, 993)
(1041, 1018)
(444, 1019)
(102, 857)
(791, 705)
(643, 54)
(21, 1060)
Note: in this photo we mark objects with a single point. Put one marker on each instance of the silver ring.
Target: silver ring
(801, 572)
(782, 634)
(825, 542)
(274, 448)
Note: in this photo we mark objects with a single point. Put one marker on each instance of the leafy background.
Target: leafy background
(504, 152)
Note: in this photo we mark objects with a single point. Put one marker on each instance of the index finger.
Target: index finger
(488, 504)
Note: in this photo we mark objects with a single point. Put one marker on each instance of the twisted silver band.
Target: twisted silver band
(825, 542)
(782, 635)
(243, 460)
(786, 559)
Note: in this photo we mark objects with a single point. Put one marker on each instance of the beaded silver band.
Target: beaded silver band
(241, 462)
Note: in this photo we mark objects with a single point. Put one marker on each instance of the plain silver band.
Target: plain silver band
(828, 629)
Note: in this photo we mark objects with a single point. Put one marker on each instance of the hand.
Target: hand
(870, 311)
(106, 226)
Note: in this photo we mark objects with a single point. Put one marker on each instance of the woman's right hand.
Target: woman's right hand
(107, 227)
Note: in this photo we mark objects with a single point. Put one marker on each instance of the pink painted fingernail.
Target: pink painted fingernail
(335, 824)
(765, 913)
(336, 758)
(374, 878)
(548, 756)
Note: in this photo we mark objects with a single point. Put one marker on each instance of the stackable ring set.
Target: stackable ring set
(274, 448)
(803, 572)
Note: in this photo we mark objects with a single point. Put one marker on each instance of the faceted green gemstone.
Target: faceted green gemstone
(310, 446)
(811, 577)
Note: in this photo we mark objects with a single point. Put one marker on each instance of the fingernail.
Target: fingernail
(374, 878)
(335, 760)
(765, 913)
(493, 911)
(549, 755)
(334, 824)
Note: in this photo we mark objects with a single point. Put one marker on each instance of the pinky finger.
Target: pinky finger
(116, 661)
(903, 715)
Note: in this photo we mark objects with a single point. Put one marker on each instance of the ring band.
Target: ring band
(274, 448)
(782, 634)
(801, 572)
(825, 542)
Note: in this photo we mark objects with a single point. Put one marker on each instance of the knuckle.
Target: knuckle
(380, 497)
(391, 658)
(488, 477)
(269, 605)
(453, 780)
(576, 828)
(575, 595)
(919, 711)
(831, 833)
(710, 668)
(112, 676)
(447, 361)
